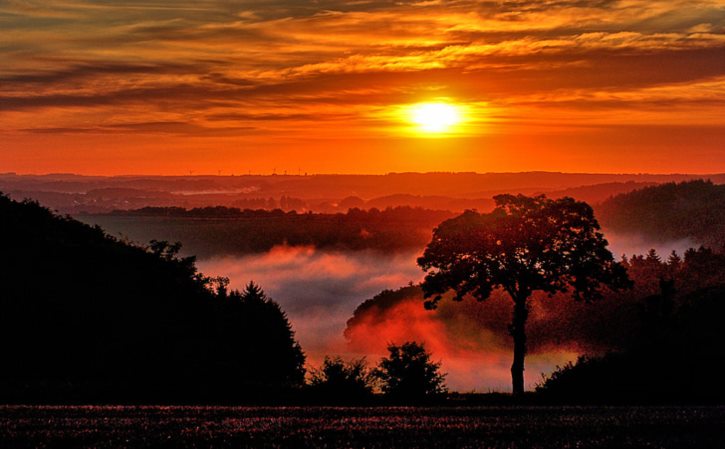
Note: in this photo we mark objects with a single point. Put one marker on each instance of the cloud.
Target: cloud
(279, 66)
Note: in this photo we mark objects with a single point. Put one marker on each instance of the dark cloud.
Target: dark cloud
(184, 68)
(243, 117)
(84, 70)
(499, 77)
(181, 128)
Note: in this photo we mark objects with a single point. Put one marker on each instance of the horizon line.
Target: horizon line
(292, 175)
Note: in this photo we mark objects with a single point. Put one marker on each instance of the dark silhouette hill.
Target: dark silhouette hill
(84, 316)
(596, 193)
(677, 357)
(673, 211)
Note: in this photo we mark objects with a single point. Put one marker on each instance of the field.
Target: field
(348, 427)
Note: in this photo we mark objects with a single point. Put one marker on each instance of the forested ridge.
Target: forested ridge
(86, 316)
(227, 231)
(689, 210)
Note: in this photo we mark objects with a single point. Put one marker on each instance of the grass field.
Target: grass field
(350, 427)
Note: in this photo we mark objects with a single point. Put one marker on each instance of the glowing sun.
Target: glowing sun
(435, 117)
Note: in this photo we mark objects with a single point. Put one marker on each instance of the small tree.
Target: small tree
(525, 244)
(408, 373)
(341, 380)
(256, 330)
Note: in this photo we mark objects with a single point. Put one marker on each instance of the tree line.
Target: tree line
(673, 211)
(228, 231)
(88, 316)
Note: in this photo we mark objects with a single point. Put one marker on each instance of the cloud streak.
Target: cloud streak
(328, 69)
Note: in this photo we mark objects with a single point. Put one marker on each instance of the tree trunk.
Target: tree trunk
(518, 332)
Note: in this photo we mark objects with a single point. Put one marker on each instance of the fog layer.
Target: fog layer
(319, 290)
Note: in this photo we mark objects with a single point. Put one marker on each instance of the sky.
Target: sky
(327, 86)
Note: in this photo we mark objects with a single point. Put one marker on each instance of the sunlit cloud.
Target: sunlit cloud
(325, 70)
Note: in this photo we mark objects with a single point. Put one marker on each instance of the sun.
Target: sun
(435, 117)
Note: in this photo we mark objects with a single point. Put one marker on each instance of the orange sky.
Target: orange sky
(107, 87)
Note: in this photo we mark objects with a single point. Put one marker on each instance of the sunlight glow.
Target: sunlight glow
(435, 117)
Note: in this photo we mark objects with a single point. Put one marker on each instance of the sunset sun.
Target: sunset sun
(435, 117)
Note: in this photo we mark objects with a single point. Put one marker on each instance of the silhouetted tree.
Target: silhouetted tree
(408, 373)
(525, 244)
(340, 380)
(253, 293)
(260, 337)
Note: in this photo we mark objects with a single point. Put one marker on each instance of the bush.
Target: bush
(340, 380)
(408, 373)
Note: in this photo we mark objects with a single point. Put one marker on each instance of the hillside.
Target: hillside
(689, 210)
(680, 358)
(85, 316)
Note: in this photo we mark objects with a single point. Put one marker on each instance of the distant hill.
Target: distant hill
(673, 211)
(659, 213)
(430, 202)
(597, 193)
(84, 316)
(319, 193)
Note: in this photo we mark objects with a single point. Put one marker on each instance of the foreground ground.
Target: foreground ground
(348, 427)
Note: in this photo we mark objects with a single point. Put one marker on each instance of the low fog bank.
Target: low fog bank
(622, 244)
(319, 290)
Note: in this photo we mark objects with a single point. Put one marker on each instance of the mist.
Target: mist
(320, 289)
(629, 244)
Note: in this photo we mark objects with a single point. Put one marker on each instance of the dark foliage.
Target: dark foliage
(409, 374)
(678, 356)
(255, 339)
(222, 230)
(693, 209)
(383, 301)
(526, 244)
(557, 322)
(84, 316)
(338, 381)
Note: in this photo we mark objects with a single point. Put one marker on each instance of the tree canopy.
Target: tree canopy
(408, 373)
(340, 380)
(526, 244)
